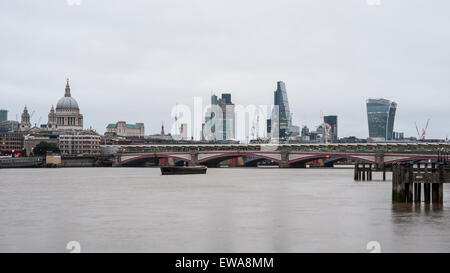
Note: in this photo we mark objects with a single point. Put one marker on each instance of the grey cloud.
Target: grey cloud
(133, 60)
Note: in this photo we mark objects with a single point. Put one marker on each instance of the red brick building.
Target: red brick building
(11, 143)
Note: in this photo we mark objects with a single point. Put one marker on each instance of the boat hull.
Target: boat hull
(178, 170)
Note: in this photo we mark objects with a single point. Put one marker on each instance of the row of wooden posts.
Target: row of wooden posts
(407, 180)
(407, 183)
(363, 172)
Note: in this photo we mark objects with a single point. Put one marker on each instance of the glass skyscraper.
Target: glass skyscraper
(284, 114)
(381, 116)
(3, 115)
(228, 128)
(333, 122)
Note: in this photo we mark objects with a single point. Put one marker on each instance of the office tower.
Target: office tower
(284, 115)
(3, 115)
(332, 121)
(227, 130)
(381, 116)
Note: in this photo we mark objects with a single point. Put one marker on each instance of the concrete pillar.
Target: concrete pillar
(284, 162)
(355, 176)
(379, 160)
(116, 161)
(170, 161)
(194, 159)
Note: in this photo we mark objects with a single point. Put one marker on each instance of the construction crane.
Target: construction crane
(424, 130)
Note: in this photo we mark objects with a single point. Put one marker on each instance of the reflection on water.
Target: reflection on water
(227, 210)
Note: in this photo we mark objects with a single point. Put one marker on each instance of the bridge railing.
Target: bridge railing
(421, 148)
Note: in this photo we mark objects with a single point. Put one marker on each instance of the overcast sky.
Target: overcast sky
(133, 60)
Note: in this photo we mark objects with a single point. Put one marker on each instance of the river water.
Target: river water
(226, 210)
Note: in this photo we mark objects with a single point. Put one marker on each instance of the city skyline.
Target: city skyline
(118, 66)
(103, 129)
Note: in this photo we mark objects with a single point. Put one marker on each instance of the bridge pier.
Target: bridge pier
(116, 161)
(284, 162)
(194, 159)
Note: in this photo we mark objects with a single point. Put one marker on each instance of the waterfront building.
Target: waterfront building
(3, 115)
(67, 114)
(159, 138)
(381, 116)
(9, 126)
(25, 123)
(333, 122)
(10, 143)
(121, 128)
(352, 139)
(30, 142)
(79, 143)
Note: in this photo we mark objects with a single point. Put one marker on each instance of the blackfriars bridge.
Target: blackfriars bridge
(378, 155)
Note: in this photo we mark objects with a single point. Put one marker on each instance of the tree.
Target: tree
(44, 147)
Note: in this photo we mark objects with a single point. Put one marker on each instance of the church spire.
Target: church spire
(67, 94)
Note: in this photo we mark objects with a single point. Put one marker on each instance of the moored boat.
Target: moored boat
(168, 170)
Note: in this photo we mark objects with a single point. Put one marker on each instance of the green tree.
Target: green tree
(44, 147)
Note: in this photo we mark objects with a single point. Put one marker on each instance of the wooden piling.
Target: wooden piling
(364, 172)
(426, 192)
(359, 172)
(437, 192)
(419, 192)
(409, 172)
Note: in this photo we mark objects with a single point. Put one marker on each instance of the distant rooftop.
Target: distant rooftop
(129, 126)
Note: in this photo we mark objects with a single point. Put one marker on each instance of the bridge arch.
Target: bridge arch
(310, 157)
(129, 159)
(216, 158)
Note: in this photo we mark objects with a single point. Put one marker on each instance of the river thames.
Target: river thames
(226, 210)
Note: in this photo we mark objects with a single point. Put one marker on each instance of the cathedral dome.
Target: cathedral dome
(67, 102)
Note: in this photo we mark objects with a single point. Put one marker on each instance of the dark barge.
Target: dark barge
(171, 170)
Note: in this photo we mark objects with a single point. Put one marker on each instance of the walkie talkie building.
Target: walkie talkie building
(381, 116)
